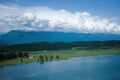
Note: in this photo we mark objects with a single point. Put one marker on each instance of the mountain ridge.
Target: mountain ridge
(20, 37)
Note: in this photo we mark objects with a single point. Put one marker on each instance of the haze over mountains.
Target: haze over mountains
(20, 37)
(44, 18)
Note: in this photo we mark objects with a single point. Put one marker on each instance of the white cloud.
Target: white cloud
(46, 19)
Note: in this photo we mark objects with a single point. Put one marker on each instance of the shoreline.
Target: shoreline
(63, 55)
(57, 60)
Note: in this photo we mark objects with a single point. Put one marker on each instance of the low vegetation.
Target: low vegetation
(45, 55)
(48, 51)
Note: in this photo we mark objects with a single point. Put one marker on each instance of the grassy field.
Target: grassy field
(63, 54)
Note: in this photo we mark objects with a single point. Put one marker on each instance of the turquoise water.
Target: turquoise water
(83, 68)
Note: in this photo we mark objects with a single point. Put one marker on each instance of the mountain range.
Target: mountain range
(20, 37)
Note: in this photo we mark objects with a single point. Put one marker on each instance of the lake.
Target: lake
(106, 67)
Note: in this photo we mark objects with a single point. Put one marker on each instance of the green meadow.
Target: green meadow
(63, 55)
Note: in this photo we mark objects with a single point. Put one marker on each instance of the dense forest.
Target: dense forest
(21, 50)
(13, 55)
(59, 46)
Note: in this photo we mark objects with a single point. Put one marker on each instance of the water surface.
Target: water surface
(105, 67)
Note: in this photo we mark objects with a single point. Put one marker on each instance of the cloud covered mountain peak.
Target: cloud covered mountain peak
(47, 19)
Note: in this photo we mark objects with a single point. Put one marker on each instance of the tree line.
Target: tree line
(13, 55)
(59, 46)
(43, 58)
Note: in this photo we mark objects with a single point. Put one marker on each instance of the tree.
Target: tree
(20, 54)
(12, 55)
(26, 55)
(2, 57)
(41, 58)
(57, 57)
(21, 60)
(46, 57)
(38, 59)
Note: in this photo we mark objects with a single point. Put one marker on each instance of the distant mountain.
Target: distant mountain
(1, 34)
(20, 37)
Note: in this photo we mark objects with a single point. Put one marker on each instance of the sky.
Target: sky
(79, 16)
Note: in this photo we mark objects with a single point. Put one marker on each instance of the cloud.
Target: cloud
(47, 19)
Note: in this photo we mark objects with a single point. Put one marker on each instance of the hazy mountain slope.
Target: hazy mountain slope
(18, 37)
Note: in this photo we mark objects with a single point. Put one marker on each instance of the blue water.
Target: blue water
(83, 68)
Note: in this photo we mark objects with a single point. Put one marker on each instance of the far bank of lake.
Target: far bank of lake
(63, 54)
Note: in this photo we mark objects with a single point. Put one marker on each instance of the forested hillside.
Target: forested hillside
(60, 46)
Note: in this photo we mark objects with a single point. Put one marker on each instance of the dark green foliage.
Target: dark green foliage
(20, 54)
(46, 57)
(41, 58)
(9, 55)
(23, 54)
(38, 59)
(21, 50)
(21, 60)
(26, 55)
(60, 46)
(2, 57)
(13, 55)
(57, 57)
(51, 57)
